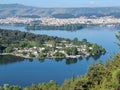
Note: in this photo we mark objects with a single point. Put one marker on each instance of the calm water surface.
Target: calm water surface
(25, 72)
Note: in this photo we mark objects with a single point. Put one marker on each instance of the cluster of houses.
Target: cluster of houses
(35, 51)
(108, 20)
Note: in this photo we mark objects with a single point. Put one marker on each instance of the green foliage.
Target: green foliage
(1, 48)
(31, 55)
(41, 55)
(76, 41)
(6, 87)
(118, 37)
(18, 39)
(97, 50)
(115, 78)
(84, 40)
(73, 77)
(59, 55)
(8, 50)
(71, 51)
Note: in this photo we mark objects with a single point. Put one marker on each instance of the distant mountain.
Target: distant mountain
(8, 10)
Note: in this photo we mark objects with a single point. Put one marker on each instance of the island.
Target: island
(29, 45)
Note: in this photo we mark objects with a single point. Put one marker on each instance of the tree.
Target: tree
(71, 51)
(8, 50)
(41, 55)
(16, 88)
(73, 77)
(84, 40)
(1, 49)
(59, 55)
(6, 87)
(74, 51)
(75, 41)
(118, 37)
(31, 55)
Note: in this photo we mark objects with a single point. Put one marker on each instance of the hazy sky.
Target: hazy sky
(64, 3)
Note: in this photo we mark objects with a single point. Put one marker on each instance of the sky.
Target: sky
(64, 3)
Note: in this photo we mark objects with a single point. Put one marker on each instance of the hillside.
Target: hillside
(8, 10)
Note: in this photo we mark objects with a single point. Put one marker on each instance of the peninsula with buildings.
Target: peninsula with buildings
(29, 45)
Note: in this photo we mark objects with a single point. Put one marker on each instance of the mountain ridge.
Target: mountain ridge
(10, 10)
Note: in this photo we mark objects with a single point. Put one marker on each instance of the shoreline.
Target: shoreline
(3, 54)
(19, 55)
(28, 57)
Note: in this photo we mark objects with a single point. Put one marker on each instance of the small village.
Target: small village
(57, 51)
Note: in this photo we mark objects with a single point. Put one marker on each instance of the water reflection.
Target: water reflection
(69, 61)
(9, 59)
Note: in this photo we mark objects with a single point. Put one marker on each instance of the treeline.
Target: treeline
(11, 37)
(69, 27)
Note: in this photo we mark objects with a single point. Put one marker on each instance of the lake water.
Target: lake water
(26, 72)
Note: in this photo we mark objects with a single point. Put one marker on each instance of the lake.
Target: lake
(24, 72)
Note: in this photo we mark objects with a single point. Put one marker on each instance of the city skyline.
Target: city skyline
(66, 3)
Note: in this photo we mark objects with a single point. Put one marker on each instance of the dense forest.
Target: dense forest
(10, 39)
(10, 36)
(98, 77)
